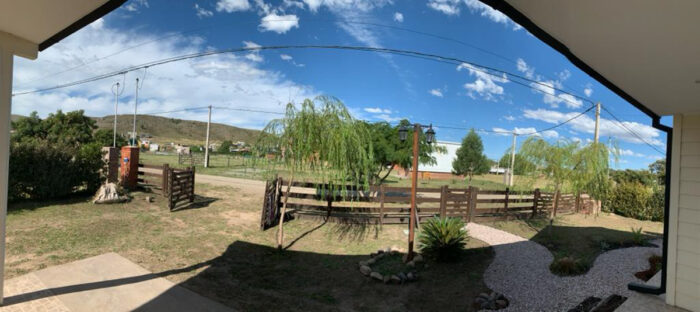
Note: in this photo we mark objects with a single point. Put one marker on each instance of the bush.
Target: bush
(443, 239)
(634, 200)
(41, 170)
(568, 266)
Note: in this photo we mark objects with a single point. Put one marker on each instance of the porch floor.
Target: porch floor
(107, 282)
(638, 302)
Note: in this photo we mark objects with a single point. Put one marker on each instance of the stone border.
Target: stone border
(409, 275)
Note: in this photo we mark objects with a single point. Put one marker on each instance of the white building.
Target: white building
(444, 161)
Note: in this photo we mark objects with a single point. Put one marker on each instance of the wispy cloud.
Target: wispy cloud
(486, 85)
(202, 12)
(436, 92)
(398, 16)
(279, 23)
(230, 6)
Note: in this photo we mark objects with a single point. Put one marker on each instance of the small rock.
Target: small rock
(479, 302)
(418, 258)
(501, 304)
(379, 255)
(365, 270)
(361, 263)
(371, 261)
(387, 250)
(149, 199)
(411, 264)
(494, 295)
(484, 295)
(402, 276)
(387, 279)
(376, 275)
(395, 279)
(372, 255)
(410, 276)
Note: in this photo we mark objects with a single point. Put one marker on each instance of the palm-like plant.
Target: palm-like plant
(443, 238)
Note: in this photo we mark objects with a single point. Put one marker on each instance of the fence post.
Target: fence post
(381, 205)
(577, 206)
(164, 183)
(473, 193)
(505, 205)
(192, 186)
(535, 202)
(170, 188)
(443, 201)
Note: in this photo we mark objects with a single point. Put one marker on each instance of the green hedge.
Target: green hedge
(634, 200)
(41, 170)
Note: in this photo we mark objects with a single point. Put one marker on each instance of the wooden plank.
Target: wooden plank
(150, 166)
(151, 174)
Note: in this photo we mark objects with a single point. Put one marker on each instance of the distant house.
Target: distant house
(497, 170)
(182, 149)
(442, 169)
(153, 147)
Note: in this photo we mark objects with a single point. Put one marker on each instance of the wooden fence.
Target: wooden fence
(391, 205)
(176, 185)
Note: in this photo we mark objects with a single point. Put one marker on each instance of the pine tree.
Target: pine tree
(470, 156)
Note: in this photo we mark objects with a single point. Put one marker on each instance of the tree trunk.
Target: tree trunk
(381, 180)
(280, 229)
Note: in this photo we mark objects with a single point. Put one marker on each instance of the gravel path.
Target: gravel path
(520, 270)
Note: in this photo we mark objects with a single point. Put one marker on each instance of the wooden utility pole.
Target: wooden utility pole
(206, 147)
(512, 162)
(414, 187)
(597, 122)
(136, 103)
(116, 104)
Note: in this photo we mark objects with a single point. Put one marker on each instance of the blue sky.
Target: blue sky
(374, 86)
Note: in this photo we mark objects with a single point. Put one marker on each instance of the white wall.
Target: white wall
(444, 161)
(683, 280)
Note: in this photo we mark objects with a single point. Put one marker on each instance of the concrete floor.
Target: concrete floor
(107, 282)
(639, 302)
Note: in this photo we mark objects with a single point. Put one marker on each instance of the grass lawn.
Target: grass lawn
(218, 251)
(582, 237)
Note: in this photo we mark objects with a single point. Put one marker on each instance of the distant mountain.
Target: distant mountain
(166, 130)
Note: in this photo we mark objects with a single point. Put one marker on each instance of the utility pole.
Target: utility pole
(512, 161)
(116, 103)
(206, 148)
(597, 122)
(136, 103)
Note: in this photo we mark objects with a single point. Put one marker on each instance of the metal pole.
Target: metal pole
(511, 172)
(414, 186)
(136, 103)
(597, 122)
(206, 148)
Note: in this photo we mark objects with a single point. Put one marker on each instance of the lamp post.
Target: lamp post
(413, 217)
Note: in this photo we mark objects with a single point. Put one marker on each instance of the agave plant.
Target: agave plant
(443, 239)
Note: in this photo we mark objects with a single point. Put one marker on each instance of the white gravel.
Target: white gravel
(520, 271)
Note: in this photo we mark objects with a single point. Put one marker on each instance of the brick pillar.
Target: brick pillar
(129, 166)
(111, 160)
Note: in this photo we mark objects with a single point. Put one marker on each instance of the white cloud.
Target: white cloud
(588, 91)
(525, 69)
(449, 7)
(550, 134)
(628, 152)
(398, 17)
(509, 117)
(436, 92)
(253, 55)
(279, 23)
(608, 127)
(485, 85)
(136, 5)
(202, 12)
(487, 11)
(226, 79)
(290, 59)
(230, 6)
(377, 110)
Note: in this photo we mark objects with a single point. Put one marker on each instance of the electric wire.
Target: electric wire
(621, 124)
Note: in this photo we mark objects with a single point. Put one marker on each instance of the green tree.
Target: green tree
(72, 128)
(321, 138)
(658, 168)
(522, 165)
(225, 147)
(104, 137)
(470, 156)
(389, 151)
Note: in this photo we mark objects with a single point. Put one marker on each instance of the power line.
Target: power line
(434, 57)
(624, 127)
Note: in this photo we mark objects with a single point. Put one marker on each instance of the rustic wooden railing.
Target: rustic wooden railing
(391, 205)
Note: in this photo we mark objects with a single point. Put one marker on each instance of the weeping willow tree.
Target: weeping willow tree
(320, 138)
(570, 166)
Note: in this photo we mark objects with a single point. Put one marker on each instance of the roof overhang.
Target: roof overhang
(38, 24)
(646, 51)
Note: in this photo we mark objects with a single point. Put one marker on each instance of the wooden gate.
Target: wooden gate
(271, 204)
(176, 185)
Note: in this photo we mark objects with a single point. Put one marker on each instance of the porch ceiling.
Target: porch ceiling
(647, 51)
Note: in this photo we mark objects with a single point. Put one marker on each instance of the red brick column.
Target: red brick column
(129, 173)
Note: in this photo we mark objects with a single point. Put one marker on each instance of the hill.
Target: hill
(166, 130)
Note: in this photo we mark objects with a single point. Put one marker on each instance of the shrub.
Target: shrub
(443, 239)
(631, 199)
(567, 266)
(41, 170)
(638, 237)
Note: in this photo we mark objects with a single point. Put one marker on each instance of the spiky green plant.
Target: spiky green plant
(443, 239)
(638, 237)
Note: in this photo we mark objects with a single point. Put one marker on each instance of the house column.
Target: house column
(5, 111)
